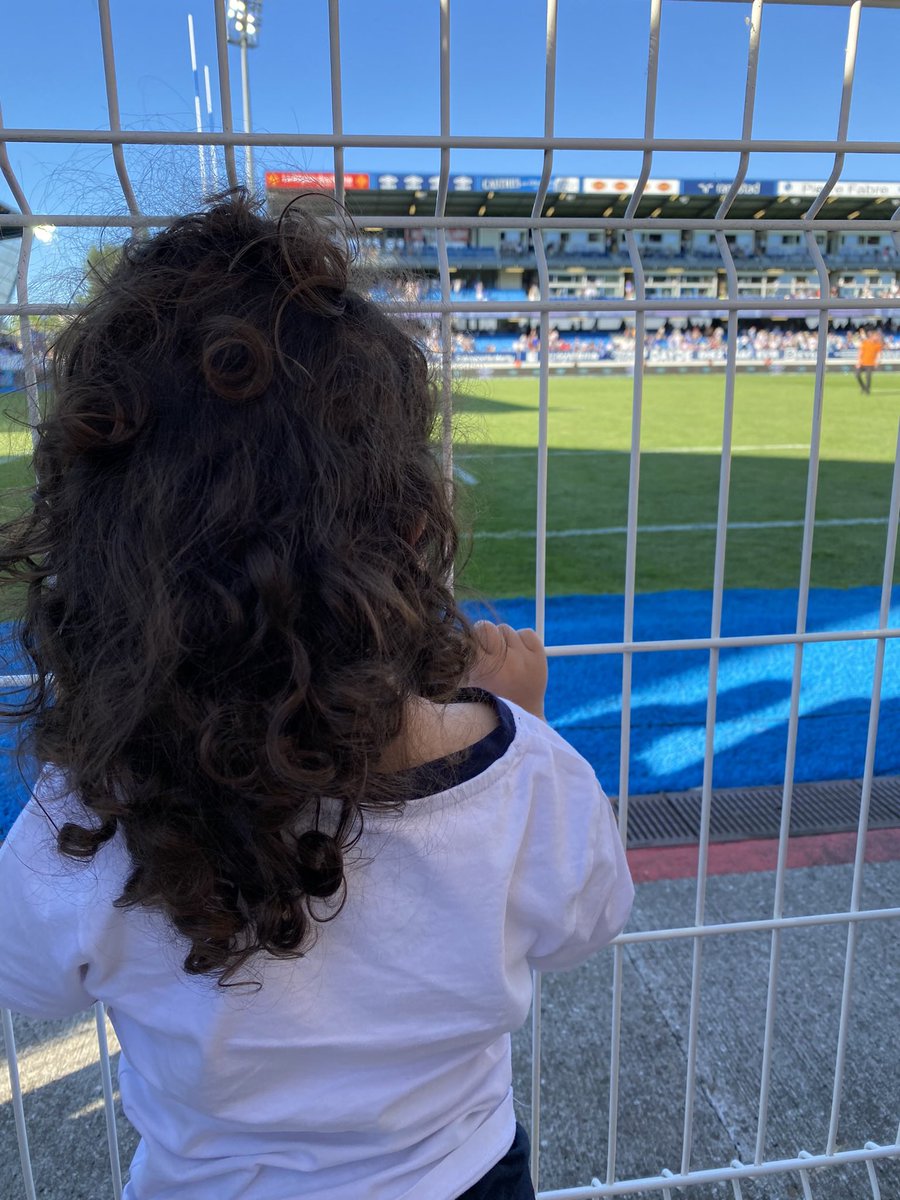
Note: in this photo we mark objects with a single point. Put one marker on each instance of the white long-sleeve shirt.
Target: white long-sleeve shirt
(379, 1064)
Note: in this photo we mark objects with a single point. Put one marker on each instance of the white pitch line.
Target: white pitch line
(718, 449)
(502, 535)
(487, 454)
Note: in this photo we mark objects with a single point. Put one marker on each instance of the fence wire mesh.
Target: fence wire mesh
(791, 1167)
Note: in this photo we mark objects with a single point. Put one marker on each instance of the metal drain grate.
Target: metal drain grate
(673, 818)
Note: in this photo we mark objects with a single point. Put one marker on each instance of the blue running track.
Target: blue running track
(669, 690)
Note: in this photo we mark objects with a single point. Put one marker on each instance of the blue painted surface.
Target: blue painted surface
(669, 690)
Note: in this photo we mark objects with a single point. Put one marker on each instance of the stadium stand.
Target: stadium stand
(497, 265)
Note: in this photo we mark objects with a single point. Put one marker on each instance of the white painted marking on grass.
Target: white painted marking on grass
(487, 453)
(465, 476)
(718, 449)
(502, 535)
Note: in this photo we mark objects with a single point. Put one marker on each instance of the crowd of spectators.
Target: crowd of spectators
(696, 344)
(753, 344)
(768, 344)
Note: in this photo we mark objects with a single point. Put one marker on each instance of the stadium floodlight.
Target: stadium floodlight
(243, 20)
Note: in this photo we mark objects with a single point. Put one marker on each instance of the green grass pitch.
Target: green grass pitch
(589, 439)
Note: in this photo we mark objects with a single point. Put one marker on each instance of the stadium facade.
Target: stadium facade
(590, 259)
(10, 244)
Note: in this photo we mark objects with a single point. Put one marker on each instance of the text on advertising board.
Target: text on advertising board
(315, 180)
(609, 186)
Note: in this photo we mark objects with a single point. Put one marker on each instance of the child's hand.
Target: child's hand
(512, 665)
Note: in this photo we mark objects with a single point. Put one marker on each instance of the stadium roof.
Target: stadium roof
(9, 231)
(384, 194)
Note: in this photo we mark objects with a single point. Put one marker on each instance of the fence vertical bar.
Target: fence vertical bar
(540, 562)
(12, 1066)
(109, 1104)
(844, 114)
(873, 1178)
(718, 590)
(804, 584)
(634, 469)
(225, 91)
(865, 801)
(440, 209)
(112, 104)
(540, 252)
(337, 102)
(791, 751)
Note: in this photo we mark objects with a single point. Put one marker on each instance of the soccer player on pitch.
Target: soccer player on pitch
(869, 352)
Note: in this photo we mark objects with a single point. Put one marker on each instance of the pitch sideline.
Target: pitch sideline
(486, 452)
(697, 527)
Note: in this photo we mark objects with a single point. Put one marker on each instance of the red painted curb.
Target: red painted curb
(740, 858)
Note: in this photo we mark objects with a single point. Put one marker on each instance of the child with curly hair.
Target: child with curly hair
(308, 871)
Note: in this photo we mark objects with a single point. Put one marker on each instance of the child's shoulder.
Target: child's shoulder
(537, 737)
(532, 757)
(440, 731)
(529, 740)
(33, 843)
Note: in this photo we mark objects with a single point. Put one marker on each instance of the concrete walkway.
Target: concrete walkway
(66, 1124)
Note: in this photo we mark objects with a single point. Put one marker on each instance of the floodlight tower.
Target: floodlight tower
(243, 21)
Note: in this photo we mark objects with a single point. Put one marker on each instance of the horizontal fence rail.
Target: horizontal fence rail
(142, 137)
(461, 221)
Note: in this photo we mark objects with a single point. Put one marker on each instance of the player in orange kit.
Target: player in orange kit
(870, 348)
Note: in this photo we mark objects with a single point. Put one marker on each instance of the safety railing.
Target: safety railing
(799, 1166)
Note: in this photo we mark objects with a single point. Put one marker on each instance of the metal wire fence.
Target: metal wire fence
(796, 1167)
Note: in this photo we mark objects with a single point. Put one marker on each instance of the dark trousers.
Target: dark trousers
(510, 1178)
(864, 378)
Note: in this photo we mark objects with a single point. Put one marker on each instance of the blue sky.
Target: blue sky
(52, 76)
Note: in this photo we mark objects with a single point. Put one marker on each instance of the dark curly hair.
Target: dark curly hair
(237, 563)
